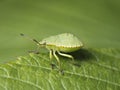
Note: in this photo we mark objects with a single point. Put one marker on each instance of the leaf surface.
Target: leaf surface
(99, 69)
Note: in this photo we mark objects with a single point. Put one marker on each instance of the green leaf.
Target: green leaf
(99, 69)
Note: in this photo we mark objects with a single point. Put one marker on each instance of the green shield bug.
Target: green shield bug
(62, 44)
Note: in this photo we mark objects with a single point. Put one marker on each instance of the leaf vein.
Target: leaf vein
(23, 81)
(94, 78)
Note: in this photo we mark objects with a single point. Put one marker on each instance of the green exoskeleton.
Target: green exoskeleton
(61, 44)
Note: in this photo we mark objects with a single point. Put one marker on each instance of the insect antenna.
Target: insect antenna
(34, 40)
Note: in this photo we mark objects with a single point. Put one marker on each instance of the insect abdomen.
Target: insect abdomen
(68, 49)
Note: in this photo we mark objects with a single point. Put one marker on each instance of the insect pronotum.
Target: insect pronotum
(62, 44)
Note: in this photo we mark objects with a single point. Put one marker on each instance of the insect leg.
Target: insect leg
(56, 58)
(65, 55)
(34, 51)
(69, 56)
(50, 54)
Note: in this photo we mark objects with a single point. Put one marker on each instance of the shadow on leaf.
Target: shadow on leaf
(83, 54)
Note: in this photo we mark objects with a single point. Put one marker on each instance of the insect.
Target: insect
(61, 44)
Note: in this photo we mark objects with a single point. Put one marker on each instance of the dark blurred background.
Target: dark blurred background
(95, 22)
